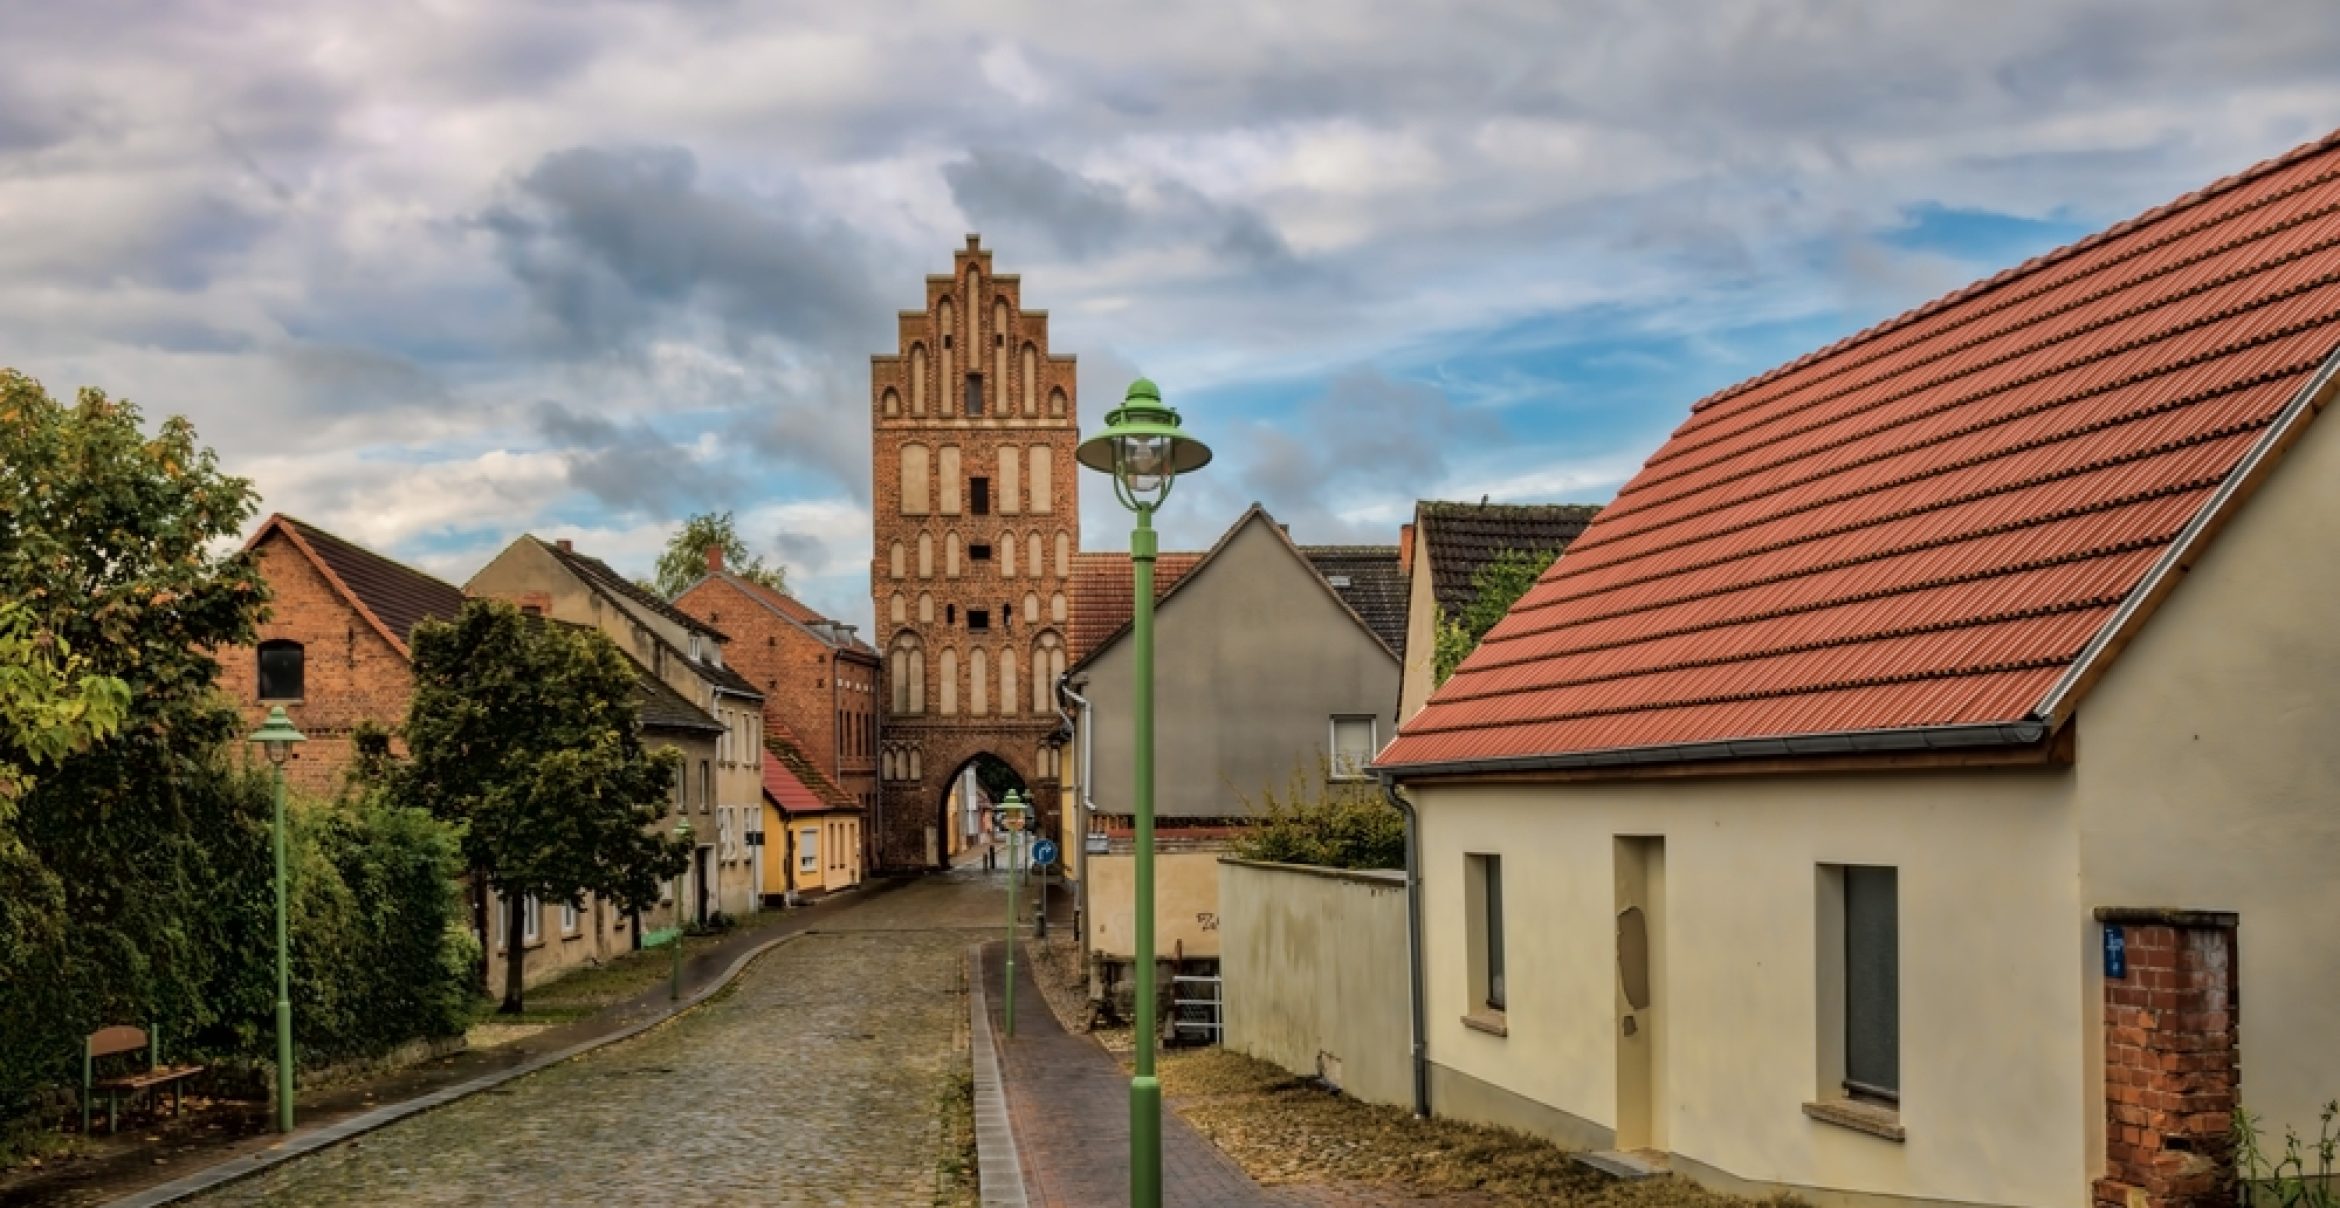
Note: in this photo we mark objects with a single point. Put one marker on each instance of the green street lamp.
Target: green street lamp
(682, 834)
(1144, 450)
(277, 738)
(1011, 812)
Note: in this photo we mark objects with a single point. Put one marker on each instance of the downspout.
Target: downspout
(1414, 943)
(1086, 806)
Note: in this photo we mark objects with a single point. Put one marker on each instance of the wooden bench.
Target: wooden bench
(116, 1040)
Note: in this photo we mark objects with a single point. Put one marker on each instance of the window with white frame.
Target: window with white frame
(1353, 745)
(808, 850)
(569, 919)
(723, 831)
(531, 919)
(1483, 917)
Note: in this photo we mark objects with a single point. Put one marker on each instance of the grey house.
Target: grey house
(1265, 668)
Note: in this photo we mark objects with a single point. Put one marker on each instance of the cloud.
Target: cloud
(1025, 195)
(630, 466)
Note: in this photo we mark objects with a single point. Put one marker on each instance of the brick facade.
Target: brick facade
(977, 518)
(2171, 1068)
(351, 672)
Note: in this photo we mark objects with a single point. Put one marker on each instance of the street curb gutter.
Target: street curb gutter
(999, 1172)
(308, 1141)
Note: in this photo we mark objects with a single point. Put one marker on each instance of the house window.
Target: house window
(974, 394)
(706, 786)
(569, 919)
(1483, 882)
(531, 916)
(978, 619)
(1352, 747)
(979, 551)
(281, 671)
(979, 496)
(808, 850)
(1872, 983)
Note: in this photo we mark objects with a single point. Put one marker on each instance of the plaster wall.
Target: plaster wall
(1186, 897)
(1421, 635)
(1314, 962)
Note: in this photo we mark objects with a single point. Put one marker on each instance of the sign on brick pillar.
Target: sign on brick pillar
(2171, 1069)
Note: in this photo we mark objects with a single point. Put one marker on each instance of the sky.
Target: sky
(436, 274)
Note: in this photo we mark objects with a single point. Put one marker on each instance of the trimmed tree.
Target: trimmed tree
(526, 733)
(685, 558)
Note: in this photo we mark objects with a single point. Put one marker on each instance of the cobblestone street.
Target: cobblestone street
(816, 1079)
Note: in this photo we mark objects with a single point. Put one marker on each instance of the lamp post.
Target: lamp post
(1143, 449)
(277, 737)
(1011, 811)
(682, 833)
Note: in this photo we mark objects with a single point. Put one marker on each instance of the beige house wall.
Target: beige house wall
(1314, 967)
(1421, 634)
(1186, 897)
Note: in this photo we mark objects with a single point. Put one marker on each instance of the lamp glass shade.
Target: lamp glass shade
(276, 736)
(1143, 448)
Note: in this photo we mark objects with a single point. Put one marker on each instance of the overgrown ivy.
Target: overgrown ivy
(1494, 589)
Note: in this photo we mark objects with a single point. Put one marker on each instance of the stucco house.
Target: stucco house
(725, 792)
(1264, 669)
(813, 826)
(1918, 785)
(1441, 555)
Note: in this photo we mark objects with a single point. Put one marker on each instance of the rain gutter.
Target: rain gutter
(1414, 945)
(1913, 738)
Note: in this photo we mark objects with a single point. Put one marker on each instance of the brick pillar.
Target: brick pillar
(2171, 1070)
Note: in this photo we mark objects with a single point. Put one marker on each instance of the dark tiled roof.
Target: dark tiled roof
(1948, 520)
(794, 781)
(603, 575)
(393, 595)
(1367, 577)
(663, 708)
(796, 610)
(1102, 595)
(1461, 539)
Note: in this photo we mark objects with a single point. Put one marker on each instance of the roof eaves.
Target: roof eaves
(2027, 732)
(291, 527)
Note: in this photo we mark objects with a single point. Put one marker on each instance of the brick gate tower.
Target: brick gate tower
(977, 517)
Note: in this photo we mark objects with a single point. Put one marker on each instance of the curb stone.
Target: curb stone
(999, 1171)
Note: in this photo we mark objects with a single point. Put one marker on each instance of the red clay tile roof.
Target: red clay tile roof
(1101, 596)
(793, 781)
(392, 596)
(1931, 523)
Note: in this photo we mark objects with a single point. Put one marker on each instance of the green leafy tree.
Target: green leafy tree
(525, 733)
(1494, 589)
(50, 707)
(116, 550)
(685, 558)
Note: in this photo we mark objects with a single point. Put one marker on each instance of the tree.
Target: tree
(1494, 589)
(685, 558)
(525, 732)
(50, 707)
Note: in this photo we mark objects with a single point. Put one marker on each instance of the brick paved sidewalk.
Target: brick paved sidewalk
(1068, 1100)
(184, 1150)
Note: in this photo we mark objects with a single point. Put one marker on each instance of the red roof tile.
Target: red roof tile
(795, 610)
(793, 781)
(1927, 524)
(1102, 595)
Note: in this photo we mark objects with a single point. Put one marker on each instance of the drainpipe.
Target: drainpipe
(1086, 806)
(1414, 943)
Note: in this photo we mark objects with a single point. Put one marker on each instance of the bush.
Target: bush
(1332, 823)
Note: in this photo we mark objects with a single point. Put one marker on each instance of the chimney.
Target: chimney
(1405, 549)
(566, 546)
(714, 559)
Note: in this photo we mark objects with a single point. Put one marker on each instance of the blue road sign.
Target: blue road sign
(1044, 853)
(2116, 953)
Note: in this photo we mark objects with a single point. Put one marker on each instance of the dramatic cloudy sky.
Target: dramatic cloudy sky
(434, 274)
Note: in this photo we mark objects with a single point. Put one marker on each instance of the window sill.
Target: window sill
(1491, 1022)
(1875, 1119)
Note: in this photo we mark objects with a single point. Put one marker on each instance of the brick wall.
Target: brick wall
(2171, 1070)
(351, 674)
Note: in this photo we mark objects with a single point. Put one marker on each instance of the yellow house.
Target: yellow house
(1918, 785)
(814, 825)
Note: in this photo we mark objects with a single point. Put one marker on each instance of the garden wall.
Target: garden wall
(1315, 967)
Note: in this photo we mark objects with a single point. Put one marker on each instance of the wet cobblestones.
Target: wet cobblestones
(815, 1079)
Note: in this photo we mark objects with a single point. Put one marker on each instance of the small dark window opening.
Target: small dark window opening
(1872, 984)
(979, 551)
(282, 673)
(979, 500)
(1494, 874)
(946, 341)
(950, 614)
(978, 618)
(531, 610)
(999, 341)
(974, 394)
